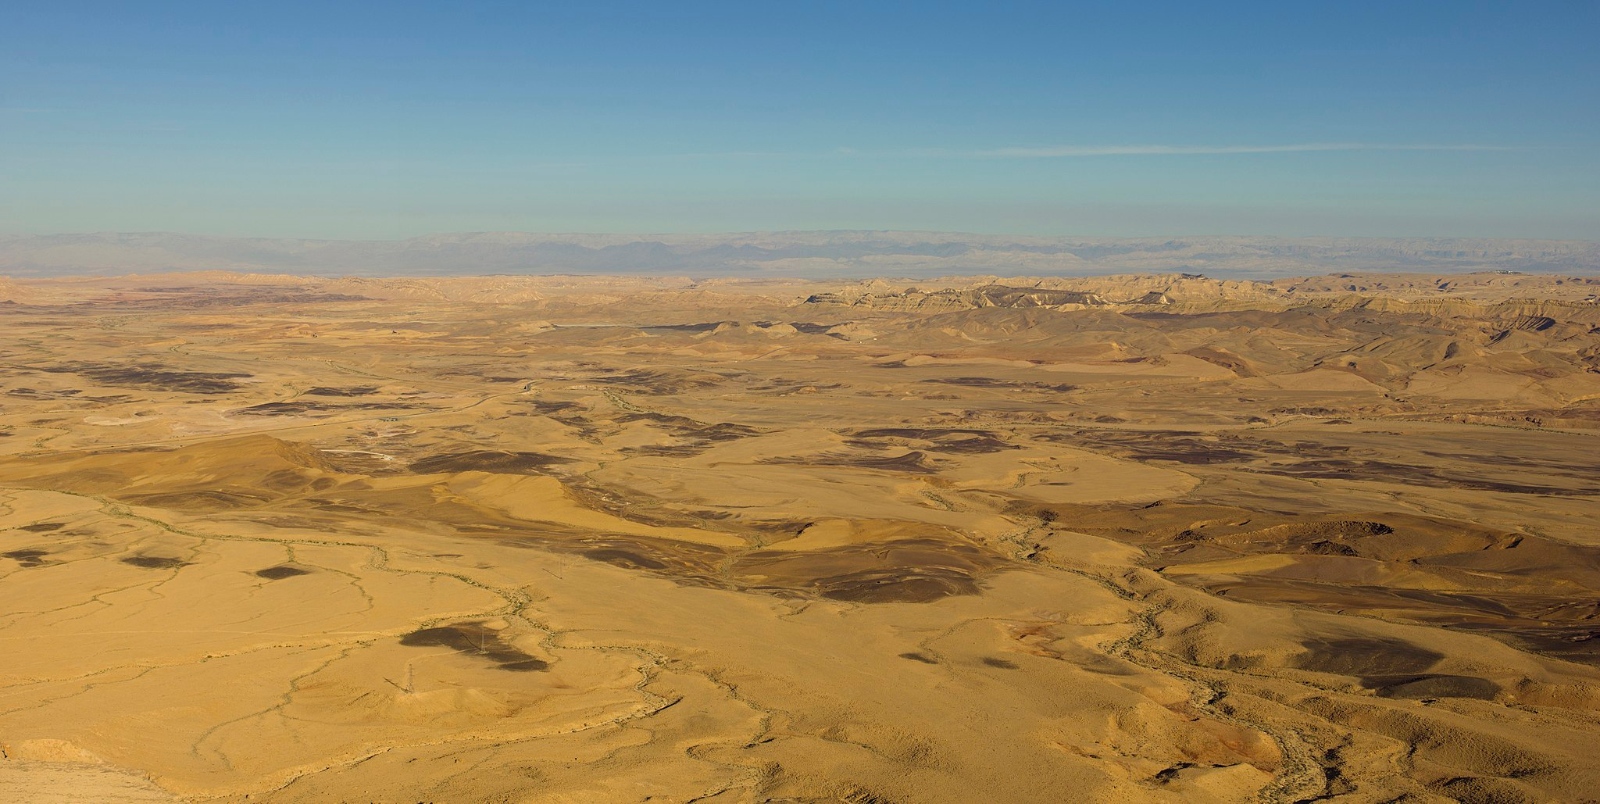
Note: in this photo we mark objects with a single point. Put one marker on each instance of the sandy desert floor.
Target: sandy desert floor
(1155, 538)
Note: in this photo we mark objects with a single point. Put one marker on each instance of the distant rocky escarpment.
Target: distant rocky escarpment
(817, 255)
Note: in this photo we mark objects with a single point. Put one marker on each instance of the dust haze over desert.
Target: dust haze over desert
(1007, 454)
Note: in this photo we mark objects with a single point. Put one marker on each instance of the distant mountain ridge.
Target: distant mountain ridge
(836, 254)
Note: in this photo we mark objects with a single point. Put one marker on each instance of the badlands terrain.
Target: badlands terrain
(1139, 538)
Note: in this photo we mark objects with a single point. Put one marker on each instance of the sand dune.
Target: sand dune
(1136, 538)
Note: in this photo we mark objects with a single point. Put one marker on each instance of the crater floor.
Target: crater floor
(1151, 538)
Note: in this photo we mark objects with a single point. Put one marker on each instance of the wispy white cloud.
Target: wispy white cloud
(1087, 151)
(1063, 151)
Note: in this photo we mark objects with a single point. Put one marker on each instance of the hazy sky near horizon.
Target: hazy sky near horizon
(379, 120)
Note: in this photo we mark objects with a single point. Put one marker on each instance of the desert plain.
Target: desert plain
(1138, 538)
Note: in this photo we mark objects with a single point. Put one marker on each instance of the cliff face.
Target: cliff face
(1133, 291)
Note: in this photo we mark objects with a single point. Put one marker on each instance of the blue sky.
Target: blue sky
(380, 120)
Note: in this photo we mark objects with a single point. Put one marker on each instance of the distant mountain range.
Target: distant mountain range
(838, 254)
